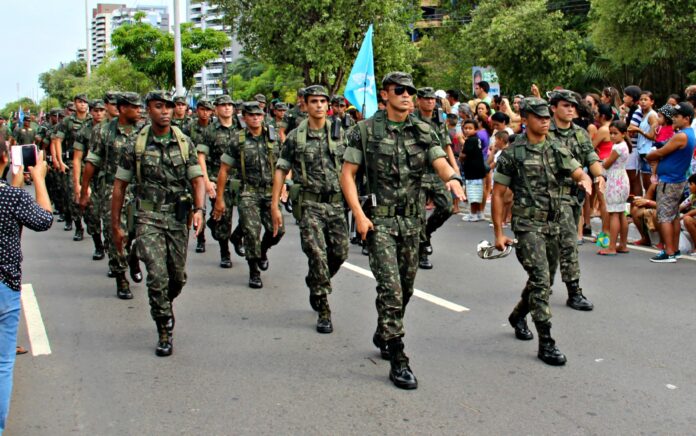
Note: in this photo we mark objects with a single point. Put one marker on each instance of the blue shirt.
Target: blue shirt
(673, 167)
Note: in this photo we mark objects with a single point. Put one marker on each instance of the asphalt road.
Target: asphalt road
(250, 362)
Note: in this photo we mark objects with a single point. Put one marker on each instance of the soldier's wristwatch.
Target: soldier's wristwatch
(457, 178)
(196, 209)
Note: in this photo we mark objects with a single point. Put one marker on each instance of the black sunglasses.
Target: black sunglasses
(400, 89)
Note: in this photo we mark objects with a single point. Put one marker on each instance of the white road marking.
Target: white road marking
(416, 292)
(671, 387)
(35, 326)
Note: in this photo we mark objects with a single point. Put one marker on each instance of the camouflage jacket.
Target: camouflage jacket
(215, 141)
(314, 158)
(108, 141)
(67, 131)
(395, 158)
(24, 136)
(578, 142)
(443, 136)
(253, 157)
(534, 173)
(293, 118)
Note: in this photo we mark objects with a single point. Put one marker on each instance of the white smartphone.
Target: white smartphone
(24, 155)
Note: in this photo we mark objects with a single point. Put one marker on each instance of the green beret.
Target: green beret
(399, 78)
(535, 105)
(159, 95)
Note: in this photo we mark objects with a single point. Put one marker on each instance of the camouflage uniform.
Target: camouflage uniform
(432, 187)
(67, 132)
(314, 158)
(108, 142)
(24, 135)
(161, 237)
(534, 172)
(83, 143)
(395, 157)
(254, 158)
(53, 181)
(578, 142)
(294, 117)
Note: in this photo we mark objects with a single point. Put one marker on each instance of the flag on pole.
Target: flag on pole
(361, 90)
(20, 117)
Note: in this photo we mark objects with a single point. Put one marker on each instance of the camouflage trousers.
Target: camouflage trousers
(324, 239)
(254, 213)
(222, 230)
(568, 245)
(54, 186)
(442, 211)
(394, 263)
(118, 262)
(92, 213)
(71, 210)
(536, 252)
(163, 250)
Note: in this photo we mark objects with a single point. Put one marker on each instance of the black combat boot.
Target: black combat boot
(400, 373)
(519, 323)
(111, 274)
(79, 231)
(225, 257)
(165, 327)
(254, 274)
(324, 319)
(200, 243)
(379, 343)
(237, 240)
(314, 301)
(123, 287)
(576, 300)
(427, 246)
(548, 352)
(68, 225)
(134, 267)
(423, 261)
(98, 247)
(263, 262)
(61, 218)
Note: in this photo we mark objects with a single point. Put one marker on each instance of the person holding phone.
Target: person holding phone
(17, 210)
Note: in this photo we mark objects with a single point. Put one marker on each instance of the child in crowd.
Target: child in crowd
(617, 190)
(457, 138)
(474, 169)
(501, 141)
(688, 208)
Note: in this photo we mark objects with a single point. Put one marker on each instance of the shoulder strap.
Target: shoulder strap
(242, 140)
(520, 152)
(140, 144)
(301, 145)
(333, 148)
(182, 141)
(362, 125)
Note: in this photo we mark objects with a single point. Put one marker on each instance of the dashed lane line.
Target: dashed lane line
(416, 292)
(35, 326)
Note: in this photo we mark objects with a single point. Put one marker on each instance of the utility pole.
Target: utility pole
(178, 79)
(87, 38)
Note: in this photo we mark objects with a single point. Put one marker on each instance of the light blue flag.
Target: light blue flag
(20, 116)
(361, 90)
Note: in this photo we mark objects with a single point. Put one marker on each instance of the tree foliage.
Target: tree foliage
(13, 106)
(250, 77)
(322, 37)
(61, 83)
(151, 51)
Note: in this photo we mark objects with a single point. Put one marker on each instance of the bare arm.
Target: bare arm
(608, 162)
(278, 184)
(452, 160)
(498, 215)
(210, 187)
(198, 184)
(117, 199)
(583, 180)
(445, 172)
(350, 192)
(677, 142)
(601, 135)
(77, 172)
(220, 200)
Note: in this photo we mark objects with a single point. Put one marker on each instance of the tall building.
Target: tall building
(108, 17)
(81, 54)
(209, 79)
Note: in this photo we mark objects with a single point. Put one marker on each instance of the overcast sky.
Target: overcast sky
(38, 35)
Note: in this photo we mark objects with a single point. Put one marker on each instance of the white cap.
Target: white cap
(440, 93)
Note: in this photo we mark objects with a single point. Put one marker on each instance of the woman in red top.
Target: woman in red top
(602, 144)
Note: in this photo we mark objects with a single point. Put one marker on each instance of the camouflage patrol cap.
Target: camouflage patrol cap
(562, 94)
(252, 107)
(159, 95)
(301, 92)
(223, 99)
(317, 90)
(336, 99)
(280, 106)
(426, 92)
(70, 106)
(260, 98)
(111, 97)
(180, 99)
(82, 97)
(238, 103)
(97, 104)
(131, 98)
(537, 106)
(399, 78)
(55, 111)
(204, 102)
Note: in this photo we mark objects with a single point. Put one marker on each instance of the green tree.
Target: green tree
(151, 51)
(61, 83)
(27, 104)
(525, 42)
(322, 37)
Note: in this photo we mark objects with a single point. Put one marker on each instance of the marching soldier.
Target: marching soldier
(534, 167)
(167, 182)
(180, 117)
(394, 149)
(313, 153)
(295, 115)
(253, 152)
